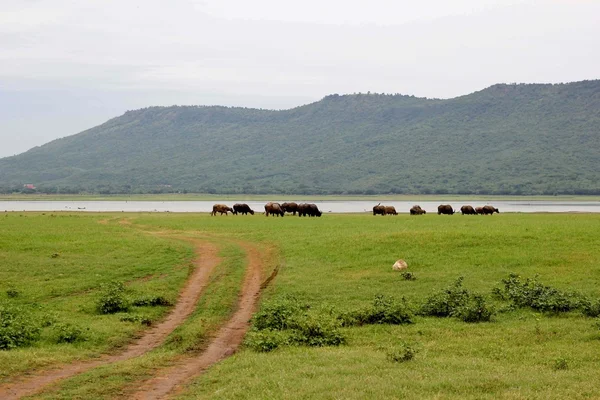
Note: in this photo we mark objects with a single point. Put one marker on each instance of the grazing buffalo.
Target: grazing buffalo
(221, 208)
(273, 209)
(468, 210)
(445, 209)
(379, 209)
(417, 210)
(489, 210)
(307, 209)
(390, 210)
(290, 208)
(479, 210)
(242, 208)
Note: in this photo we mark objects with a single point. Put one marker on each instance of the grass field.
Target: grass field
(336, 264)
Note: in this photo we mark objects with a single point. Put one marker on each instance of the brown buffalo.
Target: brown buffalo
(379, 209)
(445, 209)
(311, 210)
(468, 210)
(242, 208)
(290, 207)
(221, 208)
(390, 210)
(489, 210)
(417, 210)
(479, 210)
(273, 209)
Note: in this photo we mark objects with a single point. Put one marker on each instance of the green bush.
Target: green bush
(533, 294)
(474, 310)
(561, 363)
(151, 301)
(67, 333)
(113, 299)
(142, 319)
(408, 276)
(447, 301)
(12, 293)
(405, 352)
(17, 327)
(266, 340)
(277, 314)
(316, 331)
(591, 308)
(384, 310)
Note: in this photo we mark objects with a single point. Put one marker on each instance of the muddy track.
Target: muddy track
(206, 260)
(228, 339)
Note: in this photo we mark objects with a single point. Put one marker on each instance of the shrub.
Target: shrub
(12, 292)
(408, 276)
(151, 301)
(266, 340)
(445, 302)
(561, 363)
(142, 319)
(67, 333)
(405, 352)
(591, 308)
(533, 294)
(277, 314)
(113, 299)
(474, 310)
(315, 330)
(17, 327)
(384, 310)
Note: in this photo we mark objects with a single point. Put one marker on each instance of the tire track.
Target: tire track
(205, 262)
(226, 342)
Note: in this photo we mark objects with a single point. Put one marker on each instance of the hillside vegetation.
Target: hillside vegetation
(506, 139)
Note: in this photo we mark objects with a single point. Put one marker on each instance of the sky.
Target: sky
(69, 65)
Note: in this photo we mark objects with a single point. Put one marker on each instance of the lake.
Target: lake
(334, 206)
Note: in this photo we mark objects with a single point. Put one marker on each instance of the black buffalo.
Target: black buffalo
(290, 207)
(273, 209)
(379, 209)
(445, 209)
(308, 209)
(468, 210)
(417, 210)
(489, 210)
(242, 208)
(221, 208)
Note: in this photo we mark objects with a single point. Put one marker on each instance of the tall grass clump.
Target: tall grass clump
(533, 294)
(17, 327)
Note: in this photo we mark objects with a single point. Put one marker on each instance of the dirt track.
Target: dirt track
(228, 339)
(205, 262)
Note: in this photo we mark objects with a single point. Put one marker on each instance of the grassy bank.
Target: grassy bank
(336, 264)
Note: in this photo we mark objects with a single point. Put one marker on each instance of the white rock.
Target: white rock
(400, 265)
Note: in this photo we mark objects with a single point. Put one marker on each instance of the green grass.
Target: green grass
(344, 261)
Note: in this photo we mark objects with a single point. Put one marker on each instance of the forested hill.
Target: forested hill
(506, 139)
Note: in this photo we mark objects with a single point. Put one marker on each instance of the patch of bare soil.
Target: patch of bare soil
(206, 260)
(228, 339)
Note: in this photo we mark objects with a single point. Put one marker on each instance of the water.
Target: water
(336, 206)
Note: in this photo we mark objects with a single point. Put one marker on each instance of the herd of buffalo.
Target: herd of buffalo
(311, 210)
(303, 209)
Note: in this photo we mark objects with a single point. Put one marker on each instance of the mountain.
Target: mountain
(506, 139)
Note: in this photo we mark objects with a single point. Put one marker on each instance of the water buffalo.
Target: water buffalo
(417, 210)
(242, 208)
(379, 209)
(445, 209)
(390, 210)
(221, 208)
(489, 210)
(479, 210)
(308, 209)
(273, 209)
(290, 207)
(468, 210)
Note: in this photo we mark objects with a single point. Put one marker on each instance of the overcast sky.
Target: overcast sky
(68, 65)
